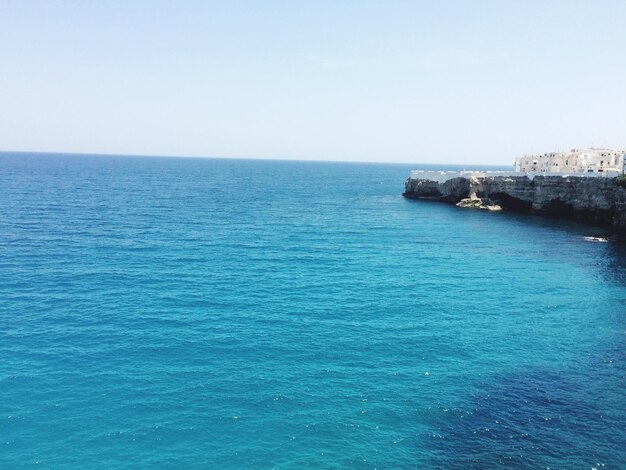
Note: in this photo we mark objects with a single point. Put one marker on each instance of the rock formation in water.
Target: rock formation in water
(475, 202)
(599, 201)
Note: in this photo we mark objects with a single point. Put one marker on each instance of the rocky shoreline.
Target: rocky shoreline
(596, 201)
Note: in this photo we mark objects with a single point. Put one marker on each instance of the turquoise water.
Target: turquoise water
(186, 313)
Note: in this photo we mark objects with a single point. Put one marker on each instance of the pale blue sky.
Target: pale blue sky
(395, 81)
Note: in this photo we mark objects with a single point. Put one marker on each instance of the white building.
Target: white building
(590, 162)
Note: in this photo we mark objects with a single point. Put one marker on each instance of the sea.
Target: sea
(215, 313)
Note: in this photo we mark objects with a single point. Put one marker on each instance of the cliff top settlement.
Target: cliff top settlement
(581, 162)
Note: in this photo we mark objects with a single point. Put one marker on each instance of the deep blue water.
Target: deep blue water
(186, 313)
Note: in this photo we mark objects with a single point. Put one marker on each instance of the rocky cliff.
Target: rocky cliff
(599, 201)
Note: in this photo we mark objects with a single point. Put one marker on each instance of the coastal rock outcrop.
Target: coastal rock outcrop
(483, 203)
(599, 201)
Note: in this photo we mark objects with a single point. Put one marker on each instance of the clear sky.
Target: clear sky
(395, 81)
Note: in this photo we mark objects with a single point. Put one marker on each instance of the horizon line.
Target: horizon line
(207, 157)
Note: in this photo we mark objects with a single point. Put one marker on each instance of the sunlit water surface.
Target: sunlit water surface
(228, 314)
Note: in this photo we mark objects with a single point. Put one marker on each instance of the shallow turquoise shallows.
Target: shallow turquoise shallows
(202, 313)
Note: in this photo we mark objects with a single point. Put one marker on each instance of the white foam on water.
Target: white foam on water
(596, 239)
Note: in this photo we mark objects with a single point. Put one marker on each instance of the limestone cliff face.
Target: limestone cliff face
(619, 218)
(600, 201)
